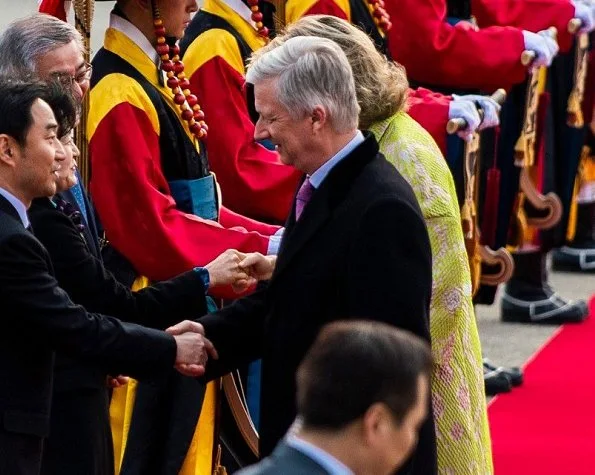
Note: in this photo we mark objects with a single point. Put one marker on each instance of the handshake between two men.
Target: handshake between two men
(231, 268)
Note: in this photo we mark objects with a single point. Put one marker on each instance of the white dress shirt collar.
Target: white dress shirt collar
(319, 175)
(124, 26)
(18, 205)
(241, 9)
(322, 458)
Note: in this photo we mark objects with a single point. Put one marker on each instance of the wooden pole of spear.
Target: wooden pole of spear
(279, 17)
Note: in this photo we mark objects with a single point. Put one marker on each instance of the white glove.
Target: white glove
(543, 45)
(464, 109)
(491, 109)
(586, 13)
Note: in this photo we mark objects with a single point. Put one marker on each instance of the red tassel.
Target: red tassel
(54, 8)
(492, 197)
(542, 108)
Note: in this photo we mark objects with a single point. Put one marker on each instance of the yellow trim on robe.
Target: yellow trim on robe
(296, 9)
(246, 30)
(220, 43)
(115, 89)
(120, 44)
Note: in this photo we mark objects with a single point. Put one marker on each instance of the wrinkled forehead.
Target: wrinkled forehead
(265, 94)
(65, 59)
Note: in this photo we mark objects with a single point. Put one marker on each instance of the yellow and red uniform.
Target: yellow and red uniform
(130, 187)
(294, 10)
(252, 177)
(140, 150)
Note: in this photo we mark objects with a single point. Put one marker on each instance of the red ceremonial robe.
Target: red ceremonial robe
(532, 15)
(130, 189)
(253, 179)
(435, 52)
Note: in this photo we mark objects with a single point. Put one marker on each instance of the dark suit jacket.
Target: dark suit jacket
(38, 318)
(359, 250)
(287, 461)
(82, 274)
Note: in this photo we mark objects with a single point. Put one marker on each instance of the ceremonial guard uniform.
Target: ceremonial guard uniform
(158, 201)
(557, 156)
(215, 48)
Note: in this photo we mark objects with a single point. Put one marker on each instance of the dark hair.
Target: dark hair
(17, 97)
(354, 364)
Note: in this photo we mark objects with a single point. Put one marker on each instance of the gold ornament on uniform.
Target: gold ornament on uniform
(83, 19)
(574, 108)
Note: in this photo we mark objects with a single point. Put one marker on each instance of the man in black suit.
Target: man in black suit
(355, 243)
(37, 316)
(386, 374)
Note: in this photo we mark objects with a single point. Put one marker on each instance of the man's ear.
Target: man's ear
(8, 147)
(319, 118)
(376, 421)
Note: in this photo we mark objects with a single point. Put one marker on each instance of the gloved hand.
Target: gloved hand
(544, 46)
(464, 109)
(491, 109)
(585, 11)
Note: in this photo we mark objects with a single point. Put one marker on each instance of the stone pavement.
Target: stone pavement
(511, 344)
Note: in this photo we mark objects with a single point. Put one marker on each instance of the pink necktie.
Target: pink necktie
(303, 196)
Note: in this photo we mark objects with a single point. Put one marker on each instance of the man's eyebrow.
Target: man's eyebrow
(51, 126)
(81, 65)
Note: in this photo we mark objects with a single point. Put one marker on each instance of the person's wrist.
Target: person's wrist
(205, 276)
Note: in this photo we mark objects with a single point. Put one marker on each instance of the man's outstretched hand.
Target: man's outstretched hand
(193, 348)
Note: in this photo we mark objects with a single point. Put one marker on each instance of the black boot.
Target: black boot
(527, 297)
(514, 373)
(496, 382)
(579, 255)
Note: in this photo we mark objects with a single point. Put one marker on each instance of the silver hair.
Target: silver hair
(26, 40)
(311, 71)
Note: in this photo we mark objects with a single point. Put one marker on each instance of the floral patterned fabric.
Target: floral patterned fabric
(458, 394)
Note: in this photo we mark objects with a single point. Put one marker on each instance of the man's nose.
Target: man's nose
(60, 152)
(260, 132)
(77, 91)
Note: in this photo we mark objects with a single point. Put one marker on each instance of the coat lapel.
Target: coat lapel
(297, 234)
(9, 209)
(324, 200)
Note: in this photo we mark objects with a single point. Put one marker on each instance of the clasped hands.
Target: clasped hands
(241, 271)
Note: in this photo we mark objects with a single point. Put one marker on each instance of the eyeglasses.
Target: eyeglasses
(80, 78)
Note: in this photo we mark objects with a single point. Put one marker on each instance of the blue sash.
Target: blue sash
(197, 197)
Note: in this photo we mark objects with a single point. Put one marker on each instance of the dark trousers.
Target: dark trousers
(19, 453)
(80, 439)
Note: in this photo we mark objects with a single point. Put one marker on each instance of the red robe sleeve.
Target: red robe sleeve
(430, 110)
(253, 180)
(532, 15)
(132, 197)
(434, 52)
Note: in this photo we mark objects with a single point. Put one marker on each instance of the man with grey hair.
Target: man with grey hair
(355, 243)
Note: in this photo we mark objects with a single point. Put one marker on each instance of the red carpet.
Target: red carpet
(547, 426)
